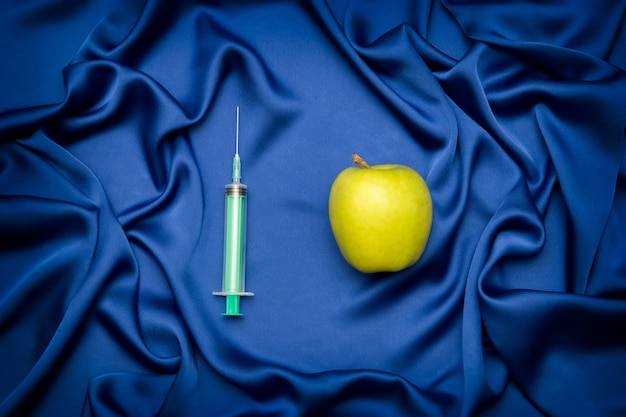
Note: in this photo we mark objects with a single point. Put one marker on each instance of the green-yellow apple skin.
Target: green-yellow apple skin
(381, 216)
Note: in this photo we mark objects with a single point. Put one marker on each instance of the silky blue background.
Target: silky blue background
(117, 123)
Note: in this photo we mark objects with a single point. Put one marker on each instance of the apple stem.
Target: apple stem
(359, 161)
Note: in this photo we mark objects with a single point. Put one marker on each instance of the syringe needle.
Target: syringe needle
(236, 159)
(237, 134)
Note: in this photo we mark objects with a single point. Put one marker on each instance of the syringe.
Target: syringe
(233, 279)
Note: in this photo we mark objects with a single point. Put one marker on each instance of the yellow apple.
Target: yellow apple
(380, 215)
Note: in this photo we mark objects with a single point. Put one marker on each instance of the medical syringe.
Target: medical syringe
(233, 279)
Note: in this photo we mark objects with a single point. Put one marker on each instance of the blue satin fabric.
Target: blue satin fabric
(117, 124)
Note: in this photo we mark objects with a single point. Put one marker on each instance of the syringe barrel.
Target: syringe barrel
(235, 240)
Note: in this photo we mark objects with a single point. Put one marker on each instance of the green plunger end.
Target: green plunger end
(232, 306)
